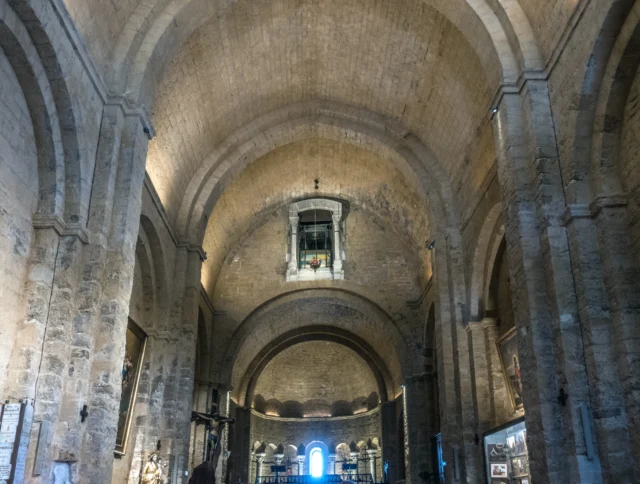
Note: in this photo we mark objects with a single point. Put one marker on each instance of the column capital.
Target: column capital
(489, 323)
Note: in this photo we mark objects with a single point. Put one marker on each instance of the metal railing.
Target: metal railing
(307, 479)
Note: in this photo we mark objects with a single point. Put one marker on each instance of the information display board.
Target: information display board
(10, 430)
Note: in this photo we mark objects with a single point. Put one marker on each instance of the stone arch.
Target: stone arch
(483, 262)
(139, 58)
(150, 256)
(519, 33)
(56, 197)
(608, 71)
(158, 260)
(620, 74)
(309, 448)
(144, 259)
(309, 120)
(315, 333)
(400, 359)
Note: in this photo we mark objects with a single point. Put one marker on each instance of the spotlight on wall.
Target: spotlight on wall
(494, 110)
(431, 244)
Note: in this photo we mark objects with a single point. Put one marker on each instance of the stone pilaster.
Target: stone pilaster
(418, 430)
(109, 329)
(607, 397)
(458, 422)
(388, 421)
(549, 336)
(186, 330)
(481, 387)
(499, 399)
(241, 446)
(337, 249)
(623, 290)
(293, 255)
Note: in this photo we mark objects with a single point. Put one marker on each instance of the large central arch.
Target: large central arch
(315, 333)
(257, 337)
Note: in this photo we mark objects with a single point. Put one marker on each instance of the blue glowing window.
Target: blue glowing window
(316, 462)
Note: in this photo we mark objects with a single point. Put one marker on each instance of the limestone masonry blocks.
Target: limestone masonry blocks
(479, 162)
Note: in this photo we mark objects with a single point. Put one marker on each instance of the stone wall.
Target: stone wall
(331, 431)
(377, 266)
(315, 379)
(18, 199)
(629, 163)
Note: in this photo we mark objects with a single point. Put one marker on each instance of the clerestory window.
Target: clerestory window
(315, 245)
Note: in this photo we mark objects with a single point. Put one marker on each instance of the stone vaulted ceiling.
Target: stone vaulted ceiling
(408, 64)
(316, 378)
(386, 102)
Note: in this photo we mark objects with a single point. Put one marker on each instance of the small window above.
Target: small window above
(315, 245)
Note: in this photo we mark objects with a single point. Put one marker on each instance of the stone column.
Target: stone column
(301, 459)
(498, 397)
(259, 460)
(588, 246)
(337, 252)
(388, 422)
(110, 327)
(72, 276)
(293, 254)
(372, 454)
(241, 446)
(331, 468)
(549, 334)
(417, 430)
(457, 409)
(622, 282)
(478, 350)
(146, 429)
(481, 383)
(188, 268)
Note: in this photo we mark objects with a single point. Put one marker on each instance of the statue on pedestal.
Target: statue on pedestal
(152, 472)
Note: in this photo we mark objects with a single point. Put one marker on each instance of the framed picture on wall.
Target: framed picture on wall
(520, 466)
(499, 470)
(133, 358)
(508, 351)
